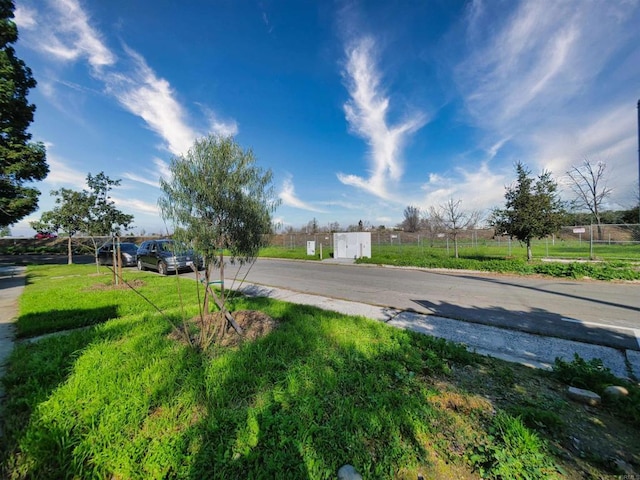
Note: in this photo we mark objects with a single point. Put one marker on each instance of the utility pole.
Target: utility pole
(639, 161)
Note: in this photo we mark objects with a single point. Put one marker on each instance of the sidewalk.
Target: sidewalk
(12, 281)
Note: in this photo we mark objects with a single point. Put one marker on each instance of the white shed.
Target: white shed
(352, 245)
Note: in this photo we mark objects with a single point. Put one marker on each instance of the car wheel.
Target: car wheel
(140, 267)
(162, 268)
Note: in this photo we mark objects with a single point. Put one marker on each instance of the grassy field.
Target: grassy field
(123, 399)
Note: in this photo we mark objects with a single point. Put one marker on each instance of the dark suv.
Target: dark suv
(128, 252)
(165, 256)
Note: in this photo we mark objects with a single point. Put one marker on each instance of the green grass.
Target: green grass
(484, 260)
(61, 297)
(122, 399)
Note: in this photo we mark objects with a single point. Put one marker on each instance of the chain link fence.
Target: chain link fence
(611, 242)
(620, 241)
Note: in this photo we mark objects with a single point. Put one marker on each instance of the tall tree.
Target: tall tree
(532, 208)
(411, 220)
(21, 161)
(588, 182)
(219, 200)
(91, 212)
(453, 219)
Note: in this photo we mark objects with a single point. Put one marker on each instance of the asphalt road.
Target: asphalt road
(603, 313)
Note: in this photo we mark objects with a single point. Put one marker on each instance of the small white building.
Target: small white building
(352, 245)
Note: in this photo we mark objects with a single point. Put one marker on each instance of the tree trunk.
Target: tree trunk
(455, 244)
(529, 255)
(207, 276)
(69, 251)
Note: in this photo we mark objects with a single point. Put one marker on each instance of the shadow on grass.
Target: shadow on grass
(321, 391)
(49, 321)
(34, 371)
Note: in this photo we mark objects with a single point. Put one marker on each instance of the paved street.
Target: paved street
(603, 313)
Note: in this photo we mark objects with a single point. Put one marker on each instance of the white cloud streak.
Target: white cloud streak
(556, 80)
(64, 33)
(142, 93)
(151, 177)
(60, 173)
(366, 111)
(477, 189)
(288, 196)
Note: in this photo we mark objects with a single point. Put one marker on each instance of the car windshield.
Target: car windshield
(129, 247)
(166, 246)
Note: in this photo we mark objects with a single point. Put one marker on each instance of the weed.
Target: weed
(593, 375)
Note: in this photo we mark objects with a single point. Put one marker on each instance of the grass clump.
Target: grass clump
(593, 375)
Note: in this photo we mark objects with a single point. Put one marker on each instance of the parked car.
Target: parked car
(166, 256)
(43, 235)
(128, 253)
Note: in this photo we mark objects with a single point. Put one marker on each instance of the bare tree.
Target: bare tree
(411, 221)
(588, 182)
(453, 219)
(333, 227)
(312, 226)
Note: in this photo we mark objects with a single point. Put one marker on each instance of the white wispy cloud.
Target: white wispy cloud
(151, 177)
(366, 111)
(136, 205)
(477, 189)
(64, 33)
(146, 95)
(61, 174)
(224, 128)
(289, 198)
(25, 17)
(555, 79)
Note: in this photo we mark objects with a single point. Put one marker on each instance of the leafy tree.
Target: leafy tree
(219, 201)
(21, 161)
(532, 209)
(451, 218)
(411, 221)
(91, 212)
(588, 182)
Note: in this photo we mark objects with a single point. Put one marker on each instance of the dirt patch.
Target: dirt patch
(588, 442)
(254, 325)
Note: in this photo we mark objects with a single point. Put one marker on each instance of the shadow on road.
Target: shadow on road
(538, 321)
(504, 281)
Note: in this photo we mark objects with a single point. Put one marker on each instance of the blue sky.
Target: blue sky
(358, 108)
